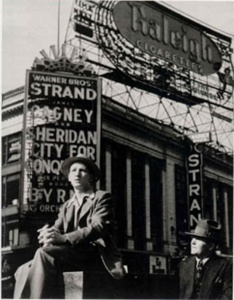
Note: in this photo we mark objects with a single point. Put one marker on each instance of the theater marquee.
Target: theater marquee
(62, 119)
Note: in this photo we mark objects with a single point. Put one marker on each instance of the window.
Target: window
(224, 215)
(10, 192)
(181, 199)
(208, 199)
(216, 206)
(10, 189)
(156, 209)
(181, 202)
(13, 236)
(118, 187)
(11, 148)
(230, 216)
(119, 192)
(138, 199)
(10, 233)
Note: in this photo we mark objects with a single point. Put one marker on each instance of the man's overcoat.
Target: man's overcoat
(94, 224)
(216, 282)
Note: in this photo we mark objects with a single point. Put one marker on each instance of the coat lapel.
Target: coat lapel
(188, 276)
(191, 274)
(213, 267)
(68, 215)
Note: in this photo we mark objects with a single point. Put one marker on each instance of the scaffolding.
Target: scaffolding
(199, 107)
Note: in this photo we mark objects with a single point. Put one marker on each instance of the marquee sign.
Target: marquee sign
(194, 165)
(158, 50)
(164, 35)
(62, 119)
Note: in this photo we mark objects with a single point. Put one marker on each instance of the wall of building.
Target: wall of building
(143, 165)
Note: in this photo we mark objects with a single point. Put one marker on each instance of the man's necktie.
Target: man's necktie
(199, 270)
(198, 278)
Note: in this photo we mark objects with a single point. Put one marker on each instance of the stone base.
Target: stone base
(89, 285)
(73, 285)
(97, 285)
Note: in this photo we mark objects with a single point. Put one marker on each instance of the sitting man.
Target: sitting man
(205, 275)
(81, 235)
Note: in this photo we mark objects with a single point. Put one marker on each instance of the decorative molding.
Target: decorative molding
(68, 61)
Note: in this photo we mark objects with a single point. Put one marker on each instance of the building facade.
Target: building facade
(144, 166)
(154, 80)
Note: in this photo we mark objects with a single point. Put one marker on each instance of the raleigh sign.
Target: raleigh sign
(164, 35)
(158, 50)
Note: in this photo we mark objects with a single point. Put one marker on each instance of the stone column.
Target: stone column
(129, 200)
(149, 245)
(108, 168)
(169, 207)
(226, 219)
(214, 197)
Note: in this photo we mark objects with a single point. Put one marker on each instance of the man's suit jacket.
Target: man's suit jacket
(216, 282)
(95, 224)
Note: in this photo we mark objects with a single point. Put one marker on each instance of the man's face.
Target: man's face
(201, 248)
(80, 177)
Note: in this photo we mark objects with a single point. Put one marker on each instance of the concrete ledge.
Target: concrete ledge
(100, 285)
(89, 285)
(73, 285)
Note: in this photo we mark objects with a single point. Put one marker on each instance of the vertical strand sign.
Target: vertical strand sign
(195, 185)
(62, 119)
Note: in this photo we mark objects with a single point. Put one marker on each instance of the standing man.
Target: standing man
(81, 236)
(204, 275)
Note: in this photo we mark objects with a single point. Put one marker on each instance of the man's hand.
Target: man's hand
(42, 232)
(54, 237)
(50, 236)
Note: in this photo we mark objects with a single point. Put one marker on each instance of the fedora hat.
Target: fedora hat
(206, 229)
(65, 168)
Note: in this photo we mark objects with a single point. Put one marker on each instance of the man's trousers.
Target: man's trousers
(42, 277)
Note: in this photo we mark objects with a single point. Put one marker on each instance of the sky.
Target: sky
(29, 26)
